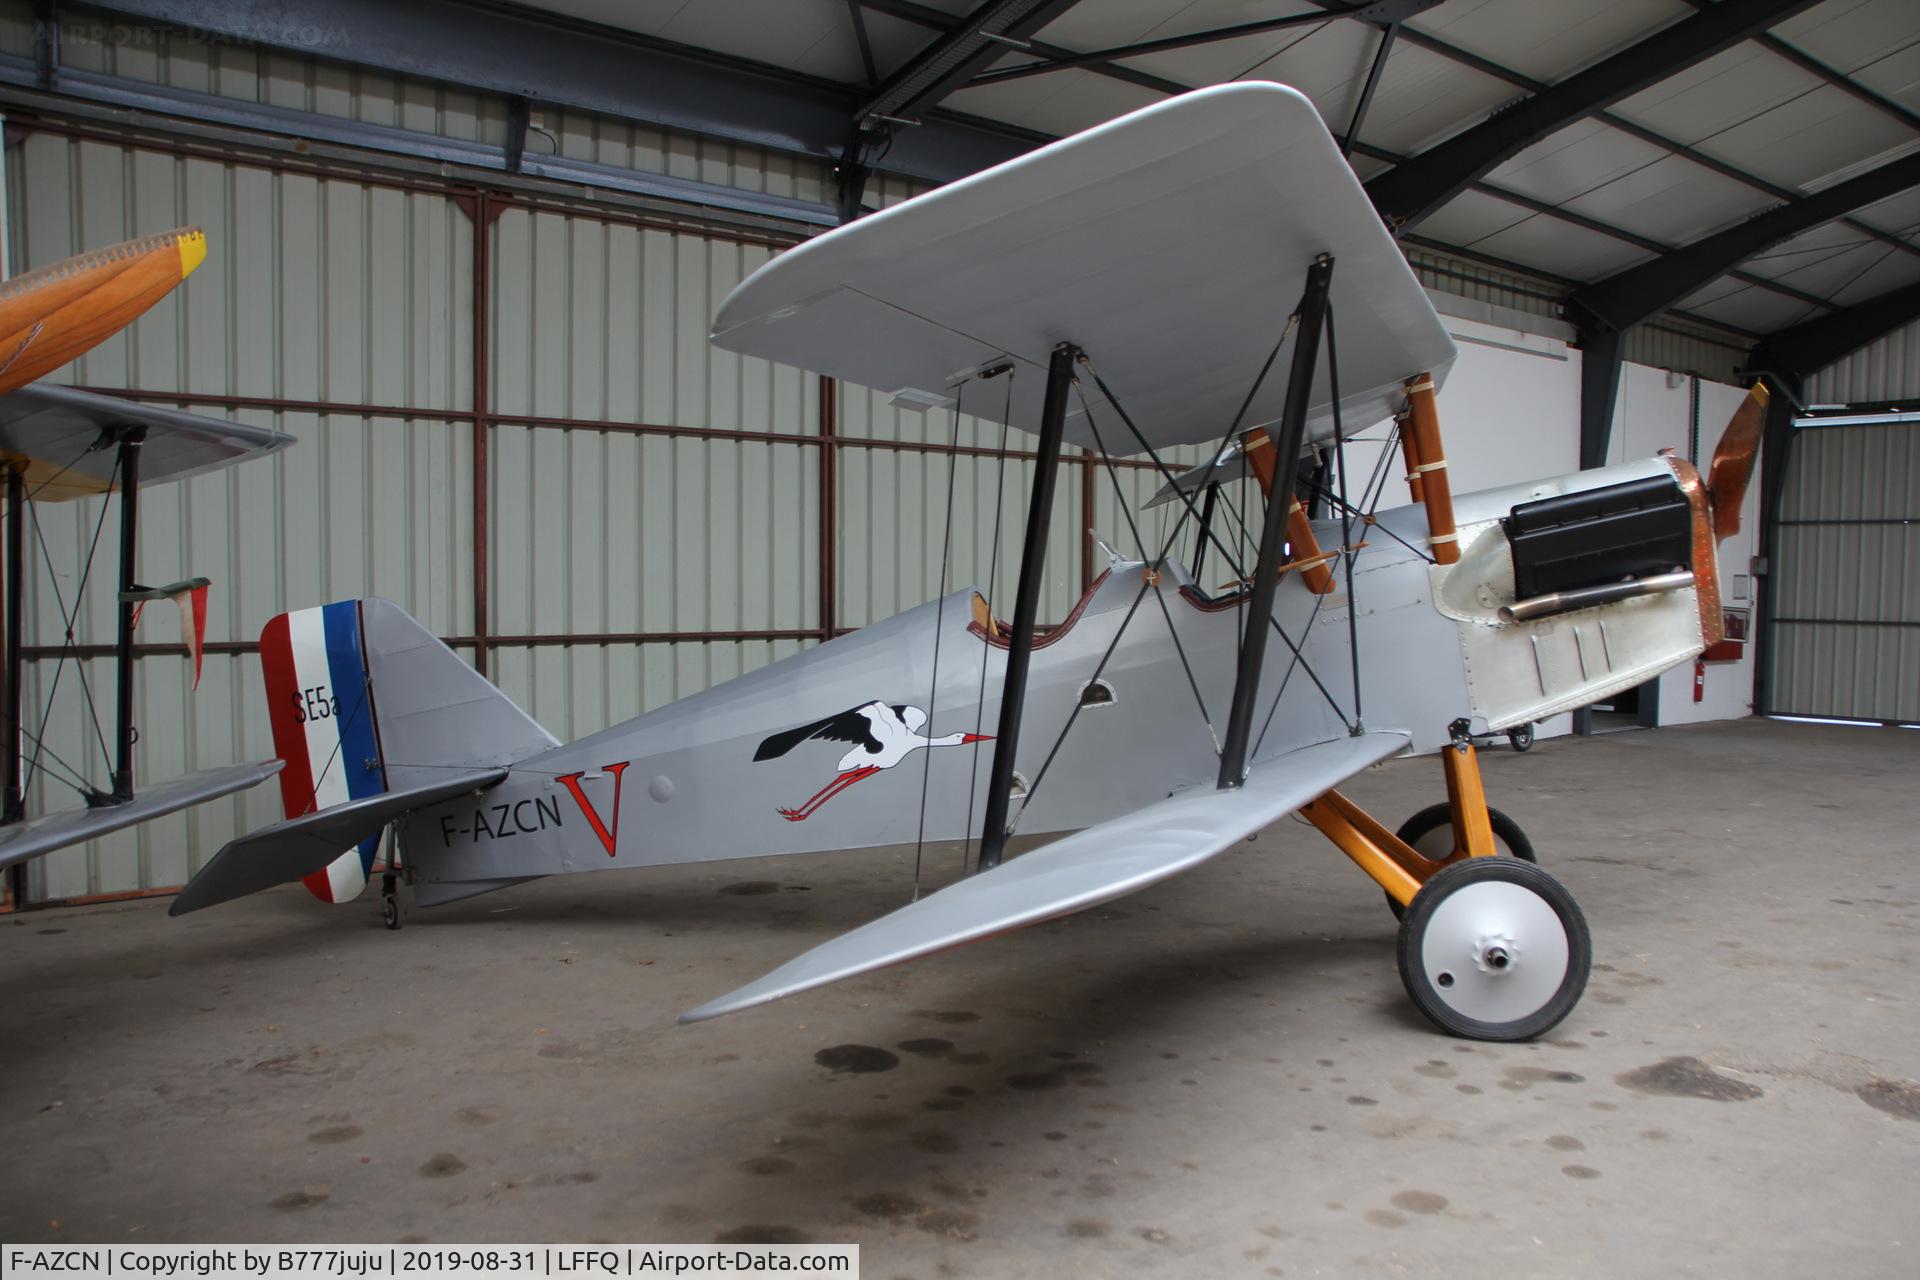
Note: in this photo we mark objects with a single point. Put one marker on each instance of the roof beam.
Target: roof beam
(1813, 345)
(1386, 13)
(1410, 192)
(969, 47)
(1630, 296)
(549, 59)
(1832, 75)
(1453, 53)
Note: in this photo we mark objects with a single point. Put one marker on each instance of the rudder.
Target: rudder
(363, 700)
(320, 704)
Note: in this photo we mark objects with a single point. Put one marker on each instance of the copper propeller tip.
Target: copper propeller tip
(1733, 462)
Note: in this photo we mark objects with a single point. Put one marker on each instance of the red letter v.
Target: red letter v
(608, 838)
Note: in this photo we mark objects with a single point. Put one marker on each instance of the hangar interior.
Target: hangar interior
(468, 254)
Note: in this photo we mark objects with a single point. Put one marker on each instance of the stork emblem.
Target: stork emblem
(882, 735)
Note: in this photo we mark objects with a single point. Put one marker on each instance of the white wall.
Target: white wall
(1510, 411)
(1649, 416)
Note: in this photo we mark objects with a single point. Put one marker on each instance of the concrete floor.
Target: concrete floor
(1219, 1076)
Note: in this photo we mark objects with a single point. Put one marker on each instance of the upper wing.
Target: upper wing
(56, 430)
(1168, 243)
(1082, 870)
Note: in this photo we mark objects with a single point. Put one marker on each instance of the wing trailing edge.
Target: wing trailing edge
(1082, 870)
(76, 826)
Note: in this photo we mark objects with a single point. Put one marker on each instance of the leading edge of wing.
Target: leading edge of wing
(1099, 864)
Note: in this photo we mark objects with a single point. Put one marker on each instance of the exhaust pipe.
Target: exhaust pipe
(1587, 597)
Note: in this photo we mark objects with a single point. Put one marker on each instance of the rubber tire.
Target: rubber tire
(390, 910)
(1551, 891)
(1505, 830)
(1521, 736)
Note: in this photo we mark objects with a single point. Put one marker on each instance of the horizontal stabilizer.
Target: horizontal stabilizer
(76, 826)
(294, 849)
(1082, 870)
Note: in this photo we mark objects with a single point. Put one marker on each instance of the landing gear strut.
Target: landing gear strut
(1490, 947)
(390, 882)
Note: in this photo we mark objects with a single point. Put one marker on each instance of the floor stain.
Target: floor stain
(1525, 1077)
(749, 888)
(1580, 1171)
(937, 1142)
(767, 1166)
(1088, 1228)
(1895, 1097)
(930, 1047)
(952, 1017)
(1361, 1100)
(338, 1133)
(442, 1164)
(1468, 1089)
(1385, 1218)
(1419, 1201)
(888, 1204)
(1686, 1078)
(305, 1198)
(949, 1224)
(474, 1115)
(1566, 1142)
(1036, 1081)
(857, 1059)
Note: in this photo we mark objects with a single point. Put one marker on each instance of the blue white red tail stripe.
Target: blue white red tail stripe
(322, 711)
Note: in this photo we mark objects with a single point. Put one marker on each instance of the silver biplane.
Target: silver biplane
(1205, 271)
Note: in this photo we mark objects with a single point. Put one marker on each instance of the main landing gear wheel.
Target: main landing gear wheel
(1430, 832)
(1494, 949)
(389, 902)
(1521, 736)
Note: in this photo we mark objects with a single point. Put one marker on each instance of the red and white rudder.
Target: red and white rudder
(321, 703)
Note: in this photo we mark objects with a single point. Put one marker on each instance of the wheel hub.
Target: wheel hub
(1496, 953)
(1474, 943)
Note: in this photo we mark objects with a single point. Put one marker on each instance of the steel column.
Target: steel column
(13, 805)
(1026, 608)
(1266, 574)
(1600, 353)
(130, 445)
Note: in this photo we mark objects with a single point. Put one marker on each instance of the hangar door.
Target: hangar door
(1846, 617)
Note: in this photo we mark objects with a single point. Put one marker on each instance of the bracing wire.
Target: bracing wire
(67, 621)
(939, 629)
(1152, 571)
(1226, 440)
(1346, 520)
(68, 618)
(986, 650)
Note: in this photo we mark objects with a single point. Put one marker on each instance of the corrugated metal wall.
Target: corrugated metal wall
(1846, 630)
(1887, 368)
(322, 293)
(650, 508)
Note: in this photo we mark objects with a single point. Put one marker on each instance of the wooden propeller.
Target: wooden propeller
(56, 312)
(1733, 460)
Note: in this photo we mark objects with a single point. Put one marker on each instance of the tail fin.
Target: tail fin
(364, 700)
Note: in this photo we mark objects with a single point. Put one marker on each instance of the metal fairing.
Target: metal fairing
(1518, 673)
(682, 784)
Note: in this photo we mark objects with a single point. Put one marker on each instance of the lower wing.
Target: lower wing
(1082, 870)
